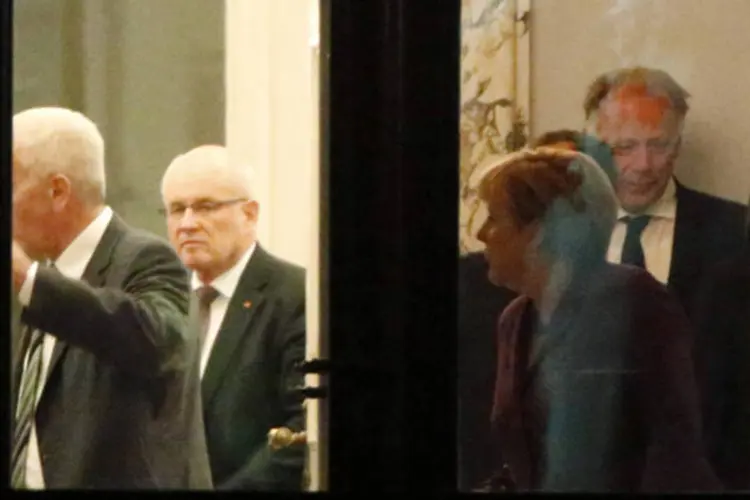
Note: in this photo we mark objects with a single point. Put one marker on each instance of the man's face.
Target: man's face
(208, 224)
(644, 133)
(32, 213)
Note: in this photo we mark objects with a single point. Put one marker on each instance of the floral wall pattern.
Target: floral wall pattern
(495, 76)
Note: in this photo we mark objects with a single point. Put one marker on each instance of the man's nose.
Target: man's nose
(642, 159)
(188, 220)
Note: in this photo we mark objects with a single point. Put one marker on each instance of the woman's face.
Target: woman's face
(507, 245)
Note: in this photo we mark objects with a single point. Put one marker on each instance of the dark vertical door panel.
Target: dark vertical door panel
(389, 219)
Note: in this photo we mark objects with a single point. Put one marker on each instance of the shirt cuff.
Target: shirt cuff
(24, 295)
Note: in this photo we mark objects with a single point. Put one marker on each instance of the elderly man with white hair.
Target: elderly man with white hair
(251, 314)
(105, 375)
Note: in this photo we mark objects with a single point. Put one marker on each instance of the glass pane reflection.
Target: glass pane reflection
(692, 245)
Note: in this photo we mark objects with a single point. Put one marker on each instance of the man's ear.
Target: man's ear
(251, 209)
(60, 191)
(676, 149)
(678, 145)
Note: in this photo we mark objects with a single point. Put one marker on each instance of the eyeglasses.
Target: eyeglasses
(199, 208)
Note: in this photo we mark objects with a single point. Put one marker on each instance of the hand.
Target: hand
(20, 266)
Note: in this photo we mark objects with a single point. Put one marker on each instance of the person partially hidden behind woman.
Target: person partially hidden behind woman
(595, 388)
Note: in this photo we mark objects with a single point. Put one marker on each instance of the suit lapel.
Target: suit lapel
(243, 305)
(94, 275)
(686, 254)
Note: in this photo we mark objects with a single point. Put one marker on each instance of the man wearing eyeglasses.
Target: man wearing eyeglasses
(249, 311)
(678, 234)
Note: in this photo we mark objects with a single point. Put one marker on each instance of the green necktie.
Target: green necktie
(632, 250)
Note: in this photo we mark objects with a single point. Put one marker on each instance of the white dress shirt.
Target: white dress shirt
(656, 239)
(71, 263)
(225, 284)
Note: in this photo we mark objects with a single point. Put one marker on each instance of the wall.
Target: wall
(495, 72)
(271, 125)
(270, 116)
(150, 73)
(704, 45)
(37, 61)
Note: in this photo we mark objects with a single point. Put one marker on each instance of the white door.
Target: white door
(272, 125)
(317, 414)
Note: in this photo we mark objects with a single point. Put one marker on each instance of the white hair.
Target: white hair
(213, 157)
(54, 140)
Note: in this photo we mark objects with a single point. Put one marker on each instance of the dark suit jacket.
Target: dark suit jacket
(708, 230)
(17, 338)
(251, 381)
(479, 306)
(709, 237)
(723, 318)
(121, 405)
(619, 410)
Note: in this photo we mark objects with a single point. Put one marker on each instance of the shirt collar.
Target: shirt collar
(227, 282)
(664, 208)
(74, 259)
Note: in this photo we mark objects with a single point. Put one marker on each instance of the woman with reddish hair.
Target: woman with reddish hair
(595, 388)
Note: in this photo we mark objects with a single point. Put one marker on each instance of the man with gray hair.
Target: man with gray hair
(676, 233)
(104, 376)
(250, 314)
(663, 226)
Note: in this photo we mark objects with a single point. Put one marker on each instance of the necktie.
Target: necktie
(206, 296)
(632, 250)
(26, 406)
(25, 409)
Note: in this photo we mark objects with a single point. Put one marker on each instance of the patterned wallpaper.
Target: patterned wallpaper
(495, 76)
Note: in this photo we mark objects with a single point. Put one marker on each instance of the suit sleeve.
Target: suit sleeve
(139, 327)
(668, 396)
(276, 470)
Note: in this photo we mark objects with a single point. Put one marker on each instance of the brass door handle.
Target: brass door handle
(281, 437)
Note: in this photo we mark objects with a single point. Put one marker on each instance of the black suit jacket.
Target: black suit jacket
(121, 404)
(251, 380)
(723, 350)
(708, 230)
(17, 344)
(707, 274)
(479, 306)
